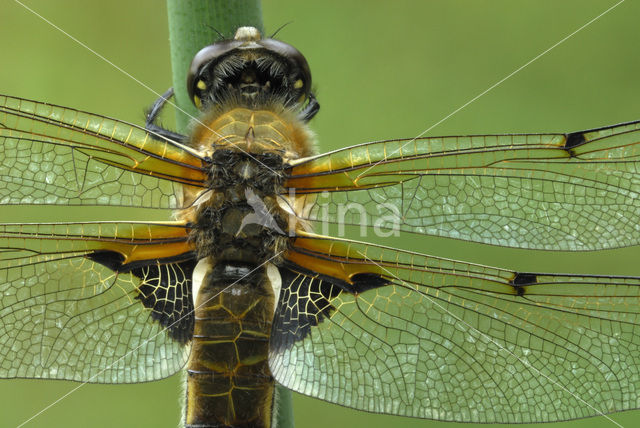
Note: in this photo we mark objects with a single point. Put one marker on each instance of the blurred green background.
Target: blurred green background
(381, 70)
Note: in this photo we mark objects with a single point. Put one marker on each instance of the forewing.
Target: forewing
(94, 302)
(569, 192)
(57, 155)
(388, 331)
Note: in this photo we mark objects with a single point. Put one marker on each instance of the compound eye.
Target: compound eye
(197, 78)
(298, 62)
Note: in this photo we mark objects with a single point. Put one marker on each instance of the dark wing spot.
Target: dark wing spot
(521, 279)
(574, 139)
(305, 301)
(367, 281)
(110, 259)
(165, 288)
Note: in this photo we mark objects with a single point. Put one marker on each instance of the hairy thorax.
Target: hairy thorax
(240, 216)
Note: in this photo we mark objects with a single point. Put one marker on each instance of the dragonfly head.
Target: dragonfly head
(249, 70)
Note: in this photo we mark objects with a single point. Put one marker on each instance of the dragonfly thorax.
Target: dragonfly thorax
(238, 215)
(241, 220)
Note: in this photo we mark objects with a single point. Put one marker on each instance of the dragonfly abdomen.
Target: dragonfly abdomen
(228, 377)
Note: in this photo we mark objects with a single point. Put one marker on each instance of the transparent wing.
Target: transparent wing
(94, 302)
(56, 155)
(388, 331)
(570, 192)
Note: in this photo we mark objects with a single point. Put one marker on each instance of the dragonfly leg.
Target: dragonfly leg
(311, 109)
(157, 131)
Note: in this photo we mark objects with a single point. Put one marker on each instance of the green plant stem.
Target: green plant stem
(194, 24)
